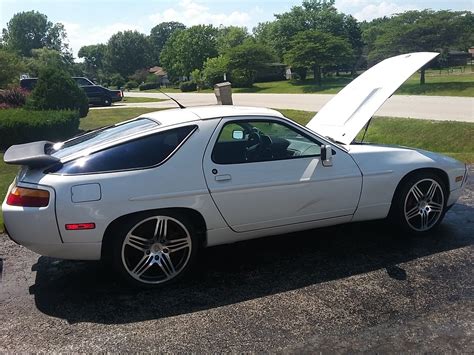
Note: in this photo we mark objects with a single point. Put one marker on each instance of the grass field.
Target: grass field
(440, 83)
(444, 84)
(451, 138)
(140, 99)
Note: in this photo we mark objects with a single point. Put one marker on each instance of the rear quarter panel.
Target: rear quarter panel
(179, 182)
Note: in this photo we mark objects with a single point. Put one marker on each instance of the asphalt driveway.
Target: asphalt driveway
(357, 287)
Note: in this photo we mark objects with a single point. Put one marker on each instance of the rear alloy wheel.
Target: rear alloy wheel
(421, 203)
(106, 101)
(155, 250)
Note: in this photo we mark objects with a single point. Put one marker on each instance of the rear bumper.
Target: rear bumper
(36, 228)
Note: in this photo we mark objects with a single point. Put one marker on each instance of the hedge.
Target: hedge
(148, 86)
(22, 126)
(187, 86)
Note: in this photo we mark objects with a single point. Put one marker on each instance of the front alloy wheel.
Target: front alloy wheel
(420, 203)
(155, 250)
(424, 205)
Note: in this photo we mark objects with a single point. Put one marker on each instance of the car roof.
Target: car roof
(177, 116)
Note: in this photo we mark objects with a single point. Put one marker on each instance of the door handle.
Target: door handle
(223, 177)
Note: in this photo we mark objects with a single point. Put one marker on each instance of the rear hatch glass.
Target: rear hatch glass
(101, 136)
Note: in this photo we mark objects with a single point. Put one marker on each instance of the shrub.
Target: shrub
(55, 90)
(148, 86)
(214, 69)
(15, 97)
(241, 78)
(22, 126)
(131, 85)
(117, 80)
(187, 86)
(152, 78)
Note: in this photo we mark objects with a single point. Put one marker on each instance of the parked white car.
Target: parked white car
(148, 193)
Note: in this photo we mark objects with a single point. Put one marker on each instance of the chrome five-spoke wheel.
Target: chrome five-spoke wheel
(156, 249)
(420, 202)
(424, 205)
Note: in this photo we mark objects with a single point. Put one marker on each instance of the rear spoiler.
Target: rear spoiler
(32, 155)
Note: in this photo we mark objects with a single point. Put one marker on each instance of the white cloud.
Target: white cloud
(192, 13)
(79, 36)
(369, 10)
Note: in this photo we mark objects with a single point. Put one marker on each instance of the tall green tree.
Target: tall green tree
(316, 50)
(45, 57)
(188, 49)
(159, 35)
(230, 36)
(414, 31)
(31, 30)
(94, 59)
(318, 15)
(128, 51)
(246, 60)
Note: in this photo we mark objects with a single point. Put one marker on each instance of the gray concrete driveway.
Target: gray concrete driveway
(353, 288)
(423, 107)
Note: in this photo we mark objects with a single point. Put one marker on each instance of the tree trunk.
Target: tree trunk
(422, 76)
(317, 74)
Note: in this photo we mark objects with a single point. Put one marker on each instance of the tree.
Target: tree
(188, 49)
(55, 90)
(215, 68)
(414, 31)
(317, 50)
(229, 37)
(159, 35)
(94, 59)
(246, 60)
(31, 30)
(319, 15)
(10, 68)
(44, 57)
(127, 52)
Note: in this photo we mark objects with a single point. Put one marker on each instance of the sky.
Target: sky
(94, 21)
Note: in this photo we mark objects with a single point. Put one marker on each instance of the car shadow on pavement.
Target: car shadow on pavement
(89, 292)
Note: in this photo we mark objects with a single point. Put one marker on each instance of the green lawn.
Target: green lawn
(455, 139)
(442, 83)
(140, 99)
(451, 138)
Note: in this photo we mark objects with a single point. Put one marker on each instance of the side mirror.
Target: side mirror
(238, 135)
(326, 155)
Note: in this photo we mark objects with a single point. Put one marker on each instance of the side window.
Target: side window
(82, 81)
(260, 140)
(143, 152)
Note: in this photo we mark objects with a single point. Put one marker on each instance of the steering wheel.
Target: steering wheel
(253, 145)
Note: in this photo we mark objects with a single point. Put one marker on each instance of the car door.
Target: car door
(267, 172)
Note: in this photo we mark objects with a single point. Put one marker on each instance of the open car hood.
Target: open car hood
(345, 114)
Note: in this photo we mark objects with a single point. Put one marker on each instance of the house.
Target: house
(161, 74)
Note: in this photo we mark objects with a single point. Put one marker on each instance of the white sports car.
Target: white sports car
(148, 193)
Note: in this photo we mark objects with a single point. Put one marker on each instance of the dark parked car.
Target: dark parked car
(97, 95)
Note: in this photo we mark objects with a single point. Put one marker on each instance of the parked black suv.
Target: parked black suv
(97, 95)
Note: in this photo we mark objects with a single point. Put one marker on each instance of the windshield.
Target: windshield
(100, 136)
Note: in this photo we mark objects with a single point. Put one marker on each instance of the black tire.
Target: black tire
(164, 258)
(106, 101)
(413, 209)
